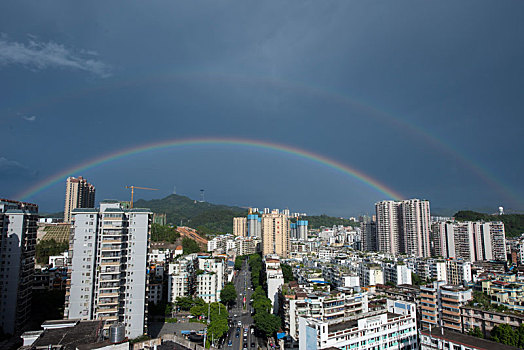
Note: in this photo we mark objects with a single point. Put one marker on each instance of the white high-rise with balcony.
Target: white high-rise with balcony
(108, 266)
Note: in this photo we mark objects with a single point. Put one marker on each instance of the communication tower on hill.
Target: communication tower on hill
(202, 198)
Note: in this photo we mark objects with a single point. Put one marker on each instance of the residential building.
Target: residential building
(415, 227)
(471, 241)
(254, 224)
(323, 306)
(439, 338)
(404, 227)
(509, 294)
(396, 273)
(458, 272)
(18, 226)
(274, 278)
(370, 274)
(79, 194)
(275, 234)
(181, 278)
(440, 305)
(485, 320)
(108, 266)
(392, 327)
(388, 228)
(210, 278)
(369, 236)
(240, 227)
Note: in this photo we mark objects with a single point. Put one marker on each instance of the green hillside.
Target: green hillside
(206, 217)
(513, 223)
(327, 221)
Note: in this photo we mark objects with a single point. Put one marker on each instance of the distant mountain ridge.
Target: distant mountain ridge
(203, 216)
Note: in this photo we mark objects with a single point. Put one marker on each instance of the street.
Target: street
(240, 313)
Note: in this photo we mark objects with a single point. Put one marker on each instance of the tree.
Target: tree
(520, 332)
(160, 233)
(47, 248)
(415, 279)
(189, 246)
(476, 332)
(287, 271)
(267, 323)
(238, 261)
(228, 294)
(505, 334)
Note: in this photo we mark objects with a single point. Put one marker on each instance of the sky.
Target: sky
(425, 98)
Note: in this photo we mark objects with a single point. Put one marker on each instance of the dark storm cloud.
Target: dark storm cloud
(409, 93)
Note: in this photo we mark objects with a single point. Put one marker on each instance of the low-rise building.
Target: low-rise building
(440, 338)
(392, 327)
(485, 320)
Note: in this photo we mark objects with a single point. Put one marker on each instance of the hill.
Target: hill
(513, 223)
(206, 217)
(327, 221)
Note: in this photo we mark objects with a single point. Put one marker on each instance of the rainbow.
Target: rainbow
(316, 158)
(368, 107)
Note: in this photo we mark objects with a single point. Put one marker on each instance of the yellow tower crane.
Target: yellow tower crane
(141, 188)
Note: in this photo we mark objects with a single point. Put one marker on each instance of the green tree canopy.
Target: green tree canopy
(267, 323)
(190, 246)
(505, 334)
(287, 271)
(47, 248)
(160, 233)
(228, 294)
(476, 332)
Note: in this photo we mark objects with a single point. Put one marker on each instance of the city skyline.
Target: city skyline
(430, 113)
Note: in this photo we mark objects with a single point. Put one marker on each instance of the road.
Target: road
(238, 313)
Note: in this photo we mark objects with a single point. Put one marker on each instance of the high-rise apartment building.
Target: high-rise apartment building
(369, 236)
(79, 194)
(108, 266)
(471, 241)
(18, 226)
(415, 227)
(275, 234)
(240, 226)
(388, 226)
(404, 227)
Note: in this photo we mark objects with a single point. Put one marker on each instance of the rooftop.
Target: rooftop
(465, 339)
(70, 338)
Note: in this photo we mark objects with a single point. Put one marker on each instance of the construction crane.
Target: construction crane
(141, 188)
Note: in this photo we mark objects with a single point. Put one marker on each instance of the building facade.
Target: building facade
(79, 194)
(108, 266)
(394, 327)
(18, 226)
(275, 234)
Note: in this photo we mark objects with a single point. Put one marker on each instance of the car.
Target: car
(245, 345)
(237, 335)
(238, 329)
(230, 343)
(239, 323)
(235, 315)
(252, 345)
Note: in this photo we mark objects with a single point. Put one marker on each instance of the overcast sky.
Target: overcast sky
(426, 98)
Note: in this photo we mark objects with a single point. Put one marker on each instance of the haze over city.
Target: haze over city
(419, 99)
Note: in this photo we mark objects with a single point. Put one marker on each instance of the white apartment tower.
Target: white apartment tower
(108, 266)
(79, 194)
(18, 226)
